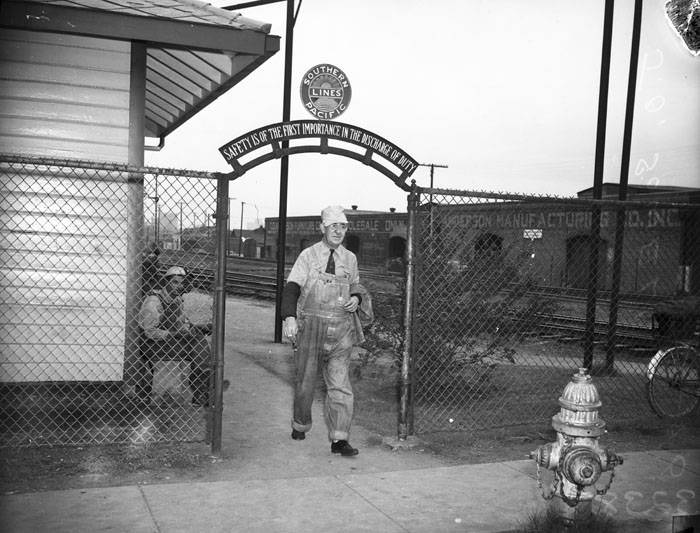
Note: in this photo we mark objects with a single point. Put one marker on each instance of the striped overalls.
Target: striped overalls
(326, 337)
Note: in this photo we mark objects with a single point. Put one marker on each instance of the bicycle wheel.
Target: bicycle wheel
(672, 387)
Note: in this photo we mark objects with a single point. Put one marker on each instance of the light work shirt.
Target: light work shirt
(155, 325)
(315, 257)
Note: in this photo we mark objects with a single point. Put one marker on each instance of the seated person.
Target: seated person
(169, 335)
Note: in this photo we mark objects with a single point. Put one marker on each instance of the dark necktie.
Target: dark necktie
(330, 266)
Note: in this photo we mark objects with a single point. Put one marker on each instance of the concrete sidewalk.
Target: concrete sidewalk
(269, 483)
(647, 491)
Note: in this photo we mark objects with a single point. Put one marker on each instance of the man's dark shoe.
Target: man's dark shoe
(298, 435)
(343, 448)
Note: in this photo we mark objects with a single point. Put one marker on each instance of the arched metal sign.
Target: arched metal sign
(376, 152)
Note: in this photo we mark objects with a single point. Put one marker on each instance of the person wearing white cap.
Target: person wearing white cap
(323, 307)
(169, 335)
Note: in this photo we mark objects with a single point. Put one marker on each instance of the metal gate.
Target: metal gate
(512, 294)
(82, 246)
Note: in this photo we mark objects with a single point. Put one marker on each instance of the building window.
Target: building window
(578, 258)
(397, 250)
(488, 246)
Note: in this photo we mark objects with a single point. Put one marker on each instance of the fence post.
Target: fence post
(622, 194)
(133, 366)
(406, 357)
(219, 319)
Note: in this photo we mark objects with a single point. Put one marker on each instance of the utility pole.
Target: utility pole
(432, 172)
(180, 240)
(215, 225)
(292, 15)
(240, 236)
(228, 224)
(598, 171)
(155, 213)
(622, 192)
(432, 166)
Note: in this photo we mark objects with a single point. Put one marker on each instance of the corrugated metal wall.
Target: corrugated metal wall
(62, 235)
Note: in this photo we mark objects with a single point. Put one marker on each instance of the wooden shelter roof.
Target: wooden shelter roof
(195, 52)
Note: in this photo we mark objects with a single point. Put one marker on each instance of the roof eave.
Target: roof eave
(169, 33)
(248, 48)
(253, 64)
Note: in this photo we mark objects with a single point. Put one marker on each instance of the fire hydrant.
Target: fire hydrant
(577, 458)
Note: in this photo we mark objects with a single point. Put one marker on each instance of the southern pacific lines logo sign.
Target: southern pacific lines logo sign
(325, 91)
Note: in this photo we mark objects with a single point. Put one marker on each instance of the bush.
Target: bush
(468, 314)
(386, 332)
(470, 311)
(548, 521)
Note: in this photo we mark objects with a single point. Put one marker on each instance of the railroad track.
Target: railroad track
(629, 301)
(574, 327)
(236, 283)
(570, 327)
(249, 284)
(562, 327)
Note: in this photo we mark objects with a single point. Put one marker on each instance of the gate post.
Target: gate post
(406, 356)
(219, 319)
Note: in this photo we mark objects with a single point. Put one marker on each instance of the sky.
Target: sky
(503, 93)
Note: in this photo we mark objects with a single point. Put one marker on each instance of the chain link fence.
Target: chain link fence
(514, 294)
(511, 296)
(95, 347)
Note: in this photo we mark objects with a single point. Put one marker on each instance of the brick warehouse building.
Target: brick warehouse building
(377, 237)
(661, 253)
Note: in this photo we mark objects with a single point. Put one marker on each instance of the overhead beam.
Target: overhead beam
(254, 3)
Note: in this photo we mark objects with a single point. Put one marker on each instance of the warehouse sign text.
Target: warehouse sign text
(634, 218)
(373, 225)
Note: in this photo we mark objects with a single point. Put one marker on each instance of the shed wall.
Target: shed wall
(63, 232)
(64, 96)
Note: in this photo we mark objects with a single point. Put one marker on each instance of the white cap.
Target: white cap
(332, 214)
(175, 271)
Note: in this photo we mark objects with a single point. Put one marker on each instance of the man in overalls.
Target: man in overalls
(321, 303)
(170, 335)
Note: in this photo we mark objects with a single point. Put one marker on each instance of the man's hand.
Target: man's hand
(182, 331)
(351, 305)
(290, 328)
(201, 330)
